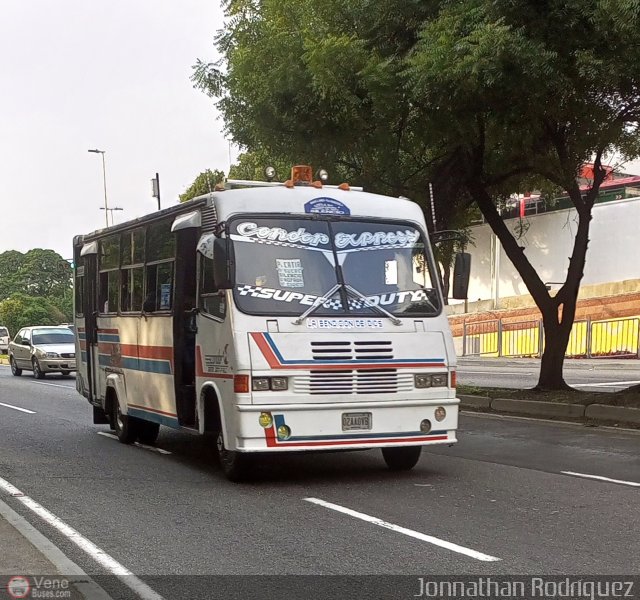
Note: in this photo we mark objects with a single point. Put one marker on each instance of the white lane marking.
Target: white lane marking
(85, 585)
(99, 555)
(152, 448)
(600, 478)
(24, 410)
(410, 532)
(605, 384)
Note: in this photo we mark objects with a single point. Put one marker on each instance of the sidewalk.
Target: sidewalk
(630, 364)
(28, 558)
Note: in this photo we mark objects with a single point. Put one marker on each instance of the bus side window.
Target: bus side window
(212, 302)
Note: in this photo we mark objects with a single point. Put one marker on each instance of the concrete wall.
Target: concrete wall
(613, 254)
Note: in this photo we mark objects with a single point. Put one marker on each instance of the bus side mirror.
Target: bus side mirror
(461, 275)
(223, 264)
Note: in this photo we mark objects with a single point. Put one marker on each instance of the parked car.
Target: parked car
(4, 340)
(43, 350)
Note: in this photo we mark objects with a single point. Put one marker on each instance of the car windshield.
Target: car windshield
(54, 336)
(283, 265)
(3, 331)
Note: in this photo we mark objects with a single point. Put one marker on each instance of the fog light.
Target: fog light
(279, 383)
(260, 384)
(440, 380)
(440, 413)
(422, 381)
(425, 426)
(265, 420)
(284, 433)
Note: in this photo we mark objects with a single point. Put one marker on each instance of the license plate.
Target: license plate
(352, 421)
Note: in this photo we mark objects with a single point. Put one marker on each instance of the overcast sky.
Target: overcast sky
(78, 74)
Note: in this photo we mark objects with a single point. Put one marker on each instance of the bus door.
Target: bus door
(89, 260)
(187, 232)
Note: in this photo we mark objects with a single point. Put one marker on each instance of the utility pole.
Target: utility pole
(104, 181)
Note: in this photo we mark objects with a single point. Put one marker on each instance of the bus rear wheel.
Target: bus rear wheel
(148, 432)
(403, 458)
(235, 465)
(127, 428)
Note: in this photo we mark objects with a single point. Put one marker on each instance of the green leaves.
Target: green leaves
(204, 183)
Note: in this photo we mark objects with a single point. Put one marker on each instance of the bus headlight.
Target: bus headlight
(425, 380)
(440, 413)
(263, 384)
(265, 420)
(425, 426)
(279, 383)
(260, 384)
(284, 433)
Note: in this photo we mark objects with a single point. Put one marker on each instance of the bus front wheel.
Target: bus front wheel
(235, 465)
(403, 458)
(126, 427)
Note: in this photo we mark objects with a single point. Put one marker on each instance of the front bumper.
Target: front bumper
(57, 364)
(319, 426)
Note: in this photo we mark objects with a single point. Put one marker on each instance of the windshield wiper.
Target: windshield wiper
(351, 290)
(319, 301)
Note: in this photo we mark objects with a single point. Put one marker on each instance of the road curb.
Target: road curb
(603, 412)
(474, 402)
(538, 408)
(31, 547)
(592, 413)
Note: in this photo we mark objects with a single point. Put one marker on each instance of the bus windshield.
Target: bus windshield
(284, 264)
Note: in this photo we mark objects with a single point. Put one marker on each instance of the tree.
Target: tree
(319, 83)
(21, 310)
(251, 166)
(480, 97)
(37, 272)
(204, 184)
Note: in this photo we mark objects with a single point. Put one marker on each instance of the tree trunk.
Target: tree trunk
(556, 338)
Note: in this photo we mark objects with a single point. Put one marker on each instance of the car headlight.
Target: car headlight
(52, 355)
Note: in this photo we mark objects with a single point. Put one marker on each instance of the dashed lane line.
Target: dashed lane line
(600, 478)
(410, 532)
(24, 410)
(100, 556)
(145, 446)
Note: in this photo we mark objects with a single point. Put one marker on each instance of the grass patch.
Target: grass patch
(629, 398)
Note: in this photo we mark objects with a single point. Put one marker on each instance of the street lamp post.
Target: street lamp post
(104, 181)
(111, 210)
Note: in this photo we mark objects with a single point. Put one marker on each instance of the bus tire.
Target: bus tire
(235, 465)
(127, 428)
(403, 458)
(148, 432)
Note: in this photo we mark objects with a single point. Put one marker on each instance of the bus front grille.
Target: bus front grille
(373, 381)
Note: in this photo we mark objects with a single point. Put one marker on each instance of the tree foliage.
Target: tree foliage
(20, 310)
(203, 184)
(36, 288)
(480, 97)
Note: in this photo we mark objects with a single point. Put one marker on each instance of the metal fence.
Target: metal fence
(588, 339)
(481, 338)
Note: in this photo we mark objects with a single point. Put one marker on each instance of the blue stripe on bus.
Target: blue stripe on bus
(154, 417)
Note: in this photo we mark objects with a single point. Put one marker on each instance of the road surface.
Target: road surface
(513, 496)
